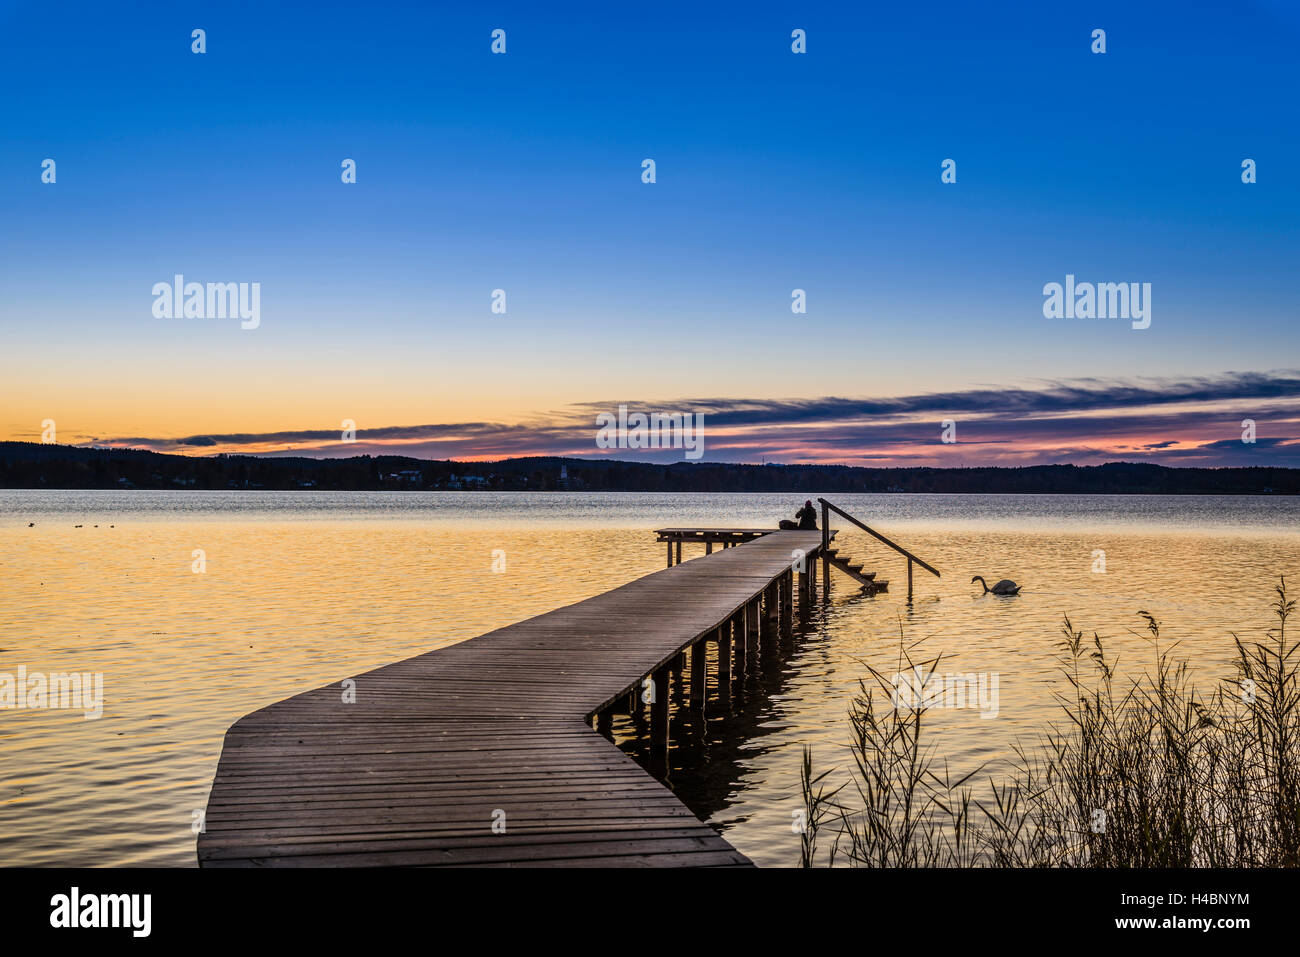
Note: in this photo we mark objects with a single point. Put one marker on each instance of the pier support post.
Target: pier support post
(679, 552)
(787, 606)
(699, 674)
(605, 724)
(670, 553)
(659, 721)
(724, 660)
(751, 632)
(909, 579)
(826, 546)
(768, 621)
(742, 640)
(804, 588)
(708, 548)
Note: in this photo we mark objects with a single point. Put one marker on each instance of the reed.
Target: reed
(1147, 772)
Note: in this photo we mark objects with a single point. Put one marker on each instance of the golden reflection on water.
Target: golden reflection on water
(289, 605)
(281, 608)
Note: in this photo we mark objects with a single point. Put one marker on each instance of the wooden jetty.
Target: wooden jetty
(726, 537)
(484, 753)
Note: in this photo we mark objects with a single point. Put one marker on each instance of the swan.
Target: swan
(1004, 587)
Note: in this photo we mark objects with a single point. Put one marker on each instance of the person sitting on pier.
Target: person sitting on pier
(805, 519)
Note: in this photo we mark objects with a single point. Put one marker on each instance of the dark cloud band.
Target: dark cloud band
(1196, 421)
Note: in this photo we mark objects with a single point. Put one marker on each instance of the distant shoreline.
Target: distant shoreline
(34, 466)
(604, 491)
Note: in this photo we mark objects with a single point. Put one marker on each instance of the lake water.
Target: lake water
(304, 589)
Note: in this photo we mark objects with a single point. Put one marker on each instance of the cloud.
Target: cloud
(1187, 421)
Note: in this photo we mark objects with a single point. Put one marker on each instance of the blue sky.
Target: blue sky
(775, 171)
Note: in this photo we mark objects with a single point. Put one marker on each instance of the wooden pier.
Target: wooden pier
(484, 754)
(725, 537)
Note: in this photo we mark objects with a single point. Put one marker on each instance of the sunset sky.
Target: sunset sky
(775, 171)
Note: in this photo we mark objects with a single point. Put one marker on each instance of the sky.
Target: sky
(774, 171)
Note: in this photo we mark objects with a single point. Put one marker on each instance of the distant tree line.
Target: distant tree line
(31, 465)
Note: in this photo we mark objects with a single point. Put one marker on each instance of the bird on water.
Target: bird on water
(1004, 587)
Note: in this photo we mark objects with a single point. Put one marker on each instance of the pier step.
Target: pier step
(845, 564)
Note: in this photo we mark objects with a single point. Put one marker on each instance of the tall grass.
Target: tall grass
(1142, 773)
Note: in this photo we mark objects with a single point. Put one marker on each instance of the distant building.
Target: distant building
(465, 481)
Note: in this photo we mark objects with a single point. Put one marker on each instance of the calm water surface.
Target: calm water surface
(304, 589)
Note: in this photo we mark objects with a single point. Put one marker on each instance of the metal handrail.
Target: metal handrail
(871, 531)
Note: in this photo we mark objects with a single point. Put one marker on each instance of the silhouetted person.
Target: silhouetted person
(805, 519)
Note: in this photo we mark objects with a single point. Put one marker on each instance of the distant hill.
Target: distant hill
(32, 465)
